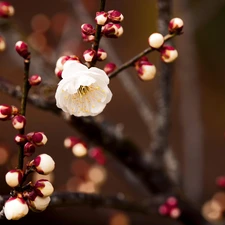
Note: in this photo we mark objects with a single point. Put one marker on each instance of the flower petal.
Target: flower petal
(98, 74)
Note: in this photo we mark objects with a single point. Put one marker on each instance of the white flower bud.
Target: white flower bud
(101, 55)
(69, 142)
(43, 188)
(79, 149)
(89, 55)
(6, 9)
(19, 122)
(156, 40)
(176, 25)
(147, 71)
(39, 203)
(168, 54)
(44, 164)
(15, 208)
(101, 18)
(14, 177)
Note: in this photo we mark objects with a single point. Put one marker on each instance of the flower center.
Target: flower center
(83, 90)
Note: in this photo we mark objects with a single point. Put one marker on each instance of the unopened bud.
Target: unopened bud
(176, 25)
(164, 210)
(43, 188)
(39, 138)
(89, 55)
(43, 163)
(87, 29)
(22, 49)
(156, 40)
(109, 68)
(69, 142)
(168, 54)
(14, 177)
(2, 44)
(140, 62)
(101, 18)
(20, 139)
(15, 208)
(220, 181)
(79, 149)
(19, 122)
(101, 55)
(175, 213)
(88, 38)
(6, 10)
(58, 73)
(35, 80)
(172, 202)
(147, 71)
(115, 16)
(98, 155)
(5, 112)
(39, 204)
(29, 149)
(112, 30)
(61, 61)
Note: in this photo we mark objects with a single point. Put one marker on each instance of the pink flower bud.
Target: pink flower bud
(35, 80)
(20, 139)
(61, 61)
(15, 208)
(19, 122)
(89, 55)
(172, 202)
(2, 44)
(168, 54)
(175, 213)
(101, 55)
(98, 155)
(6, 10)
(29, 149)
(156, 40)
(112, 30)
(220, 181)
(22, 49)
(164, 210)
(44, 164)
(147, 71)
(69, 142)
(87, 29)
(109, 68)
(115, 16)
(101, 18)
(58, 73)
(43, 188)
(79, 149)
(5, 112)
(38, 204)
(176, 25)
(39, 138)
(88, 38)
(29, 136)
(14, 177)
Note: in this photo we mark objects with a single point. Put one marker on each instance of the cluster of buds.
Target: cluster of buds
(60, 64)
(170, 208)
(29, 196)
(156, 41)
(145, 69)
(79, 149)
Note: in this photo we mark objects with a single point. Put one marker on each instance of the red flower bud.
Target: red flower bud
(19, 122)
(112, 30)
(101, 18)
(101, 55)
(88, 38)
(87, 29)
(98, 155)
(39, 138)
(6, 10)
(29, 149)
(35, 80)
(220, 181)
(20, 139)
(22, 49)
(115, 16)
(89, 55)
(109, 68)
(5, 112)
(69, 142)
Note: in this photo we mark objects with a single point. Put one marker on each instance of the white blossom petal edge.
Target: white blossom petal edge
(82, 91)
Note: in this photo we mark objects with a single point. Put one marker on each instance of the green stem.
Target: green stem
(138, 56)
(26, 88)
(98, 35)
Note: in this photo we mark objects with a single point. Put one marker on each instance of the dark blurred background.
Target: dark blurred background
(52, 28)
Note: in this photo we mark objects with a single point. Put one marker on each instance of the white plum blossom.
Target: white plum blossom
(82, 91)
